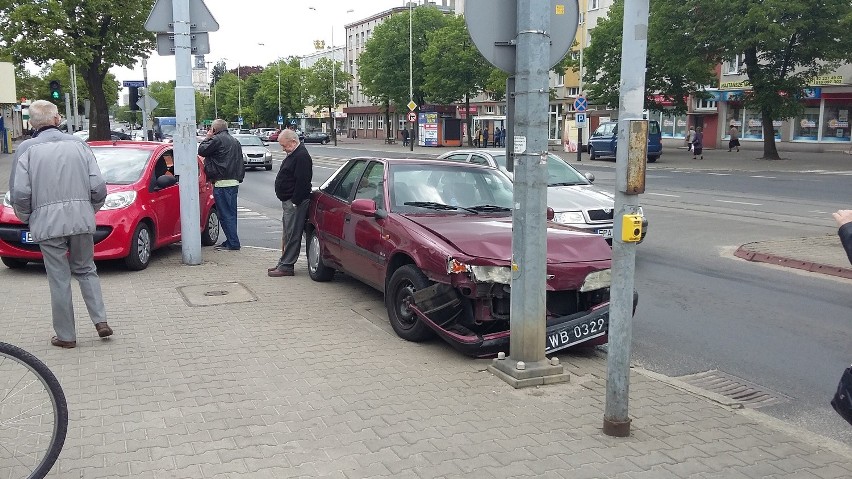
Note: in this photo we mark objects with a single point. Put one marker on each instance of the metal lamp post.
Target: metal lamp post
(239, 98)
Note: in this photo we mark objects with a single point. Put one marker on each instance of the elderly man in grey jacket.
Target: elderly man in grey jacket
(56, 188)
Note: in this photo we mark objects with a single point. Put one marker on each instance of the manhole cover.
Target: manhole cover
(748, 394)
(216, 294)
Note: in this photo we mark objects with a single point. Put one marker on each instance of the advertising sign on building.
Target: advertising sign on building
(428, 129)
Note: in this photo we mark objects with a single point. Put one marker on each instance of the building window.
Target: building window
(352, 122)
(594, 4)
(401, 123)
(574, 91)
(360, 122)
(806, 127)
(554, 122)
(582, 18)
(705, 104)
(560, 79)
(489, 109)
(734, 66)
(369, 122)
(380, 122)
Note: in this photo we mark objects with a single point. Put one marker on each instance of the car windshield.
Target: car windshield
(121, 166)
(559, 173)
(248, 140)
(437, 189)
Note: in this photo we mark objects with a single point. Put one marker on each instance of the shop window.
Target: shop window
(734, 66)
(806, 127)
(753, 127)
(835, 126)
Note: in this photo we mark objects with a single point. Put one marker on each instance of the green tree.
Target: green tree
(164, 94)
(94, 35)
(784, 43)
(326, 89)
(676, 65)
(384, 65)
(455, 70)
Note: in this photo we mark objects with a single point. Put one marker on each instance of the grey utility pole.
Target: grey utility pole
(146, 113)
(185, 148)
(630, 177)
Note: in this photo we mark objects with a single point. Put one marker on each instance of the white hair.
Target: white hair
(219, 125)
(42, 113)
(290, 135)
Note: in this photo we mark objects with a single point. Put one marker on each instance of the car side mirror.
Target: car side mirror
(366, 207)
(589, 176)
(164, 181)
(550, 214)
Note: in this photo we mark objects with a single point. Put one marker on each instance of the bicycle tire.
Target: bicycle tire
(57, 398)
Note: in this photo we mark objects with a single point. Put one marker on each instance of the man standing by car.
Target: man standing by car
(293, 188)
(56, 187)
(224, 167)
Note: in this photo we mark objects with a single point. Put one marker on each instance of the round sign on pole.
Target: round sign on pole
(412, 117)
(493, 27)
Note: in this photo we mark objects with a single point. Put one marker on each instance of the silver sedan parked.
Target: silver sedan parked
(255, 152)
(571, 194)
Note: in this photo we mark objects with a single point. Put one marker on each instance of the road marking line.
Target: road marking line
(760, 176)
(719, 174)
(661, 194)
(740, 203)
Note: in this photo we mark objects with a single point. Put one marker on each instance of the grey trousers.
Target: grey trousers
(293, 221)
(60, 267)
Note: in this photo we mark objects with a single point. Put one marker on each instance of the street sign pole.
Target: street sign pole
(580, 105)
(145, 111)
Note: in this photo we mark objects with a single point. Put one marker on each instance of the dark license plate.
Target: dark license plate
(26, 237)
(561, 336)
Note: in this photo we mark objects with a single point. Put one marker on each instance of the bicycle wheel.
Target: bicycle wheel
(33, 415)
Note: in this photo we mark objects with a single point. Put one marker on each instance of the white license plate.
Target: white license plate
(27, 237)
(605, 232)
(255, 160)
(577, 331)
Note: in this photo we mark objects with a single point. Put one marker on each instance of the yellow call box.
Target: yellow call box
(631, 228)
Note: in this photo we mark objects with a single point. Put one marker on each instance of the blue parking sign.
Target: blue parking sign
(280, 119)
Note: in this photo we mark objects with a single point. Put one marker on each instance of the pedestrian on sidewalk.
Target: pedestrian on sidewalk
(405, 137)
(698, 143)
(477, 139)
(56, 187)
(734, 140)
(293, 188)
(844, 220)
(224, 167)
(485, 137)
(690, 138)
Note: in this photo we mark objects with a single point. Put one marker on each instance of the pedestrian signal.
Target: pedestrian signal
(55, 90)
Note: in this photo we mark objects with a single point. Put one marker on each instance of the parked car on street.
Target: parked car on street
(316, 137)
(113, 135)
(571, 194)
(263, 133)
(141, 211)
(603, 141)
(255, 152)
(436, 238)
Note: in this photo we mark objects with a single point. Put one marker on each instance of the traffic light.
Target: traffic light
(55, 90)
(134, 97)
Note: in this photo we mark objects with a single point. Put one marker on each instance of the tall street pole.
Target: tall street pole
(631, 157)
(281, 119)
(411, 73)
(239, 97)
(333, 90)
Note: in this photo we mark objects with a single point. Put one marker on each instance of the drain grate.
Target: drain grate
(748, 394)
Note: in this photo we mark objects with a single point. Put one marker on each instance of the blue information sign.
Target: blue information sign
(280, 119)
(580, 104)
(133, 83)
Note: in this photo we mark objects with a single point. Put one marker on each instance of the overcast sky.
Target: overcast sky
(285, 27)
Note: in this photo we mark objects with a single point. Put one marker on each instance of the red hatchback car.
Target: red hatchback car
(436, 239)
(141, 211)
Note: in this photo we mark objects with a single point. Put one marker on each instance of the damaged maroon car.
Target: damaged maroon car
(436, 239)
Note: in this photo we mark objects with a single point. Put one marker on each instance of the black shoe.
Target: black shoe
(225, 247)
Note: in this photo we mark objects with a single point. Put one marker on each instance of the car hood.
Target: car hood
(578, 197)
(491, 237)
(254, 150)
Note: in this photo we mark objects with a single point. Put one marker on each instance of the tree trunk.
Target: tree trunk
(770, 152)
(98, 110)
(467, 119)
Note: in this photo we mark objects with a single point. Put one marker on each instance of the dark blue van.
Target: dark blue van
(603, 142)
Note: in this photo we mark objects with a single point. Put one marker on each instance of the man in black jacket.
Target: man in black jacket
(844, 219)
(224, 167)
(293, 188)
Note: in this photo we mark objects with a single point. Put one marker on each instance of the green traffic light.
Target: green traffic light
(54, 95)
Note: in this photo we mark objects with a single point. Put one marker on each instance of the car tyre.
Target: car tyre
(210, 234)
(14, 263)
(592, 155)
(268, 167)
(317, 269)
(140, 248)
(325, 142)
(653, 159)
(399, 295)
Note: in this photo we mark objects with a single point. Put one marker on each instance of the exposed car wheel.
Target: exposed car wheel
(268, 167)
(14, 263)
(325, 142)
(211, 228)
(140, 248)
(592, 155)
(399, 296)
(652, 159)
(317, 270)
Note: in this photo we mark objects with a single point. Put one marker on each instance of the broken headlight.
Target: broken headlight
(597, 280)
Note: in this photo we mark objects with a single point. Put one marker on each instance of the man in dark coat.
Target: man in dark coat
(844, 219)
(293, 188)
(224, 167)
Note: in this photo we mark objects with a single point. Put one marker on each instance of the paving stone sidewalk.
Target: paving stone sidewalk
(304, 379)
